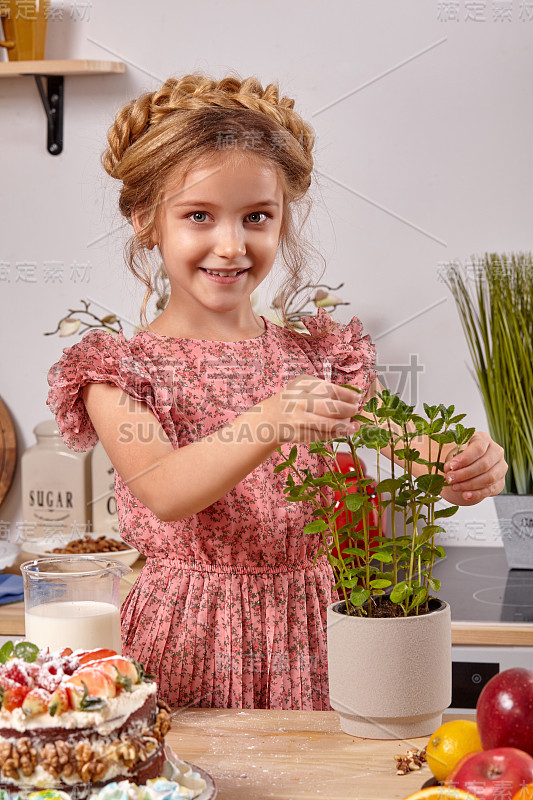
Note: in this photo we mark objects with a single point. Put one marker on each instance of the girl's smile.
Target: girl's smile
(224, 276)
(218, 232)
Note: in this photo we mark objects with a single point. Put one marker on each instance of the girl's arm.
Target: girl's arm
(475, 473)
(176, 484)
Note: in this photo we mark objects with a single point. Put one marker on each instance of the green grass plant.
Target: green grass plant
(494, 298)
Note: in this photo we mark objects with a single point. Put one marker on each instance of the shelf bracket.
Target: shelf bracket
(53, 100)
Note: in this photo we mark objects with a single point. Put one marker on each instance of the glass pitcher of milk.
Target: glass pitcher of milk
(73, 601)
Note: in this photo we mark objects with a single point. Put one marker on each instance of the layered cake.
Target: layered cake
(75, 721)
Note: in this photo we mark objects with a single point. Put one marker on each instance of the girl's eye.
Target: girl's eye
(257, 214)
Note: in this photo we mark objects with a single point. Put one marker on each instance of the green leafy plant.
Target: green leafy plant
(381, 575)
(495, 305)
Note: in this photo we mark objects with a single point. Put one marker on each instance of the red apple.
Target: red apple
(504, 712)
(492, 774)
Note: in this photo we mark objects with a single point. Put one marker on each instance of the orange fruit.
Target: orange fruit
(441, 793)
(449, 744)
(525, 793)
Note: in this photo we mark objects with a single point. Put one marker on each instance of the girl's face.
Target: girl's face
(218, 233)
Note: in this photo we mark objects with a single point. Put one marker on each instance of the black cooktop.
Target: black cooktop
(480, 587)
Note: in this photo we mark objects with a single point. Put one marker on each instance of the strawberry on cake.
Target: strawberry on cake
(74, 721)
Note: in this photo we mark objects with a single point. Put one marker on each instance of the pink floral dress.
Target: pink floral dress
(230, 608)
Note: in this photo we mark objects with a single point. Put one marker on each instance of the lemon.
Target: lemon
(449, 743)
(442, 793)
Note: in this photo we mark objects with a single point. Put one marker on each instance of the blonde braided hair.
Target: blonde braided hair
(184, 124)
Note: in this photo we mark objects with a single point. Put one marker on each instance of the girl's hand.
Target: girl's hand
(477, 472)
(309, 409)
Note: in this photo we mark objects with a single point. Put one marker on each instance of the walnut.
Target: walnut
(99, 769)
(89, 767)
(410, 762)
(57, 759)
(92, 770)
(28, 756)
(150, 744)
(9, 760)
(63, 751)
(5, 752)
(127, 753)
(66, 759)
(50, 760)
(162, 724)
(141, 749)
(83, 753)
(163, 705)
(10, 769)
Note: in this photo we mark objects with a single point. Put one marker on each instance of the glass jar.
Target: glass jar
(56, 487)
(104, 505)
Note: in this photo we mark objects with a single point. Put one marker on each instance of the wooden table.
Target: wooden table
(291, 755)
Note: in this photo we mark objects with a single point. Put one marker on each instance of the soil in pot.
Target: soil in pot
(384, 607)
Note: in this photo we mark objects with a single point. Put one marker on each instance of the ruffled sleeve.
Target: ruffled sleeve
(100, 357)
(343, 349)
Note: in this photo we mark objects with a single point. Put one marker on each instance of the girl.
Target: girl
(229, 610)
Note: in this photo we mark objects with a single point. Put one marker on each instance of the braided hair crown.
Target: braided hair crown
(199, 93)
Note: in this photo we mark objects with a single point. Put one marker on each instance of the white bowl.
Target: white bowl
(44, 547)
(8, 554)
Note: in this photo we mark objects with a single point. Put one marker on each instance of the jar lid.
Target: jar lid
(47, 428)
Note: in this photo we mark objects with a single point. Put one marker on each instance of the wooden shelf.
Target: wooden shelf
(64, 66)
(53, 71)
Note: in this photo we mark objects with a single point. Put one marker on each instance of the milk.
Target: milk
(84, 624)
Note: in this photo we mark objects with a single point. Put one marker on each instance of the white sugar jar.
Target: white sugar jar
(56, 487)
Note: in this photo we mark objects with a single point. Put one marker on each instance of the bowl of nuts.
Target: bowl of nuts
(94, 543)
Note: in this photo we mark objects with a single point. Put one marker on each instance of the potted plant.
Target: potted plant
(389, 641)
(495, 304)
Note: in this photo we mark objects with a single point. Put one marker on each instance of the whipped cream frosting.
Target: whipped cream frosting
(103, 721)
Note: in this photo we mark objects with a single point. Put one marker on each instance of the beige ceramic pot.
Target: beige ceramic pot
(390, 678)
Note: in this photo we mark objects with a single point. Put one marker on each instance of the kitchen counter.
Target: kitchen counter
(291, 755)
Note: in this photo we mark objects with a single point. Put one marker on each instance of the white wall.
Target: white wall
(424, 157)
